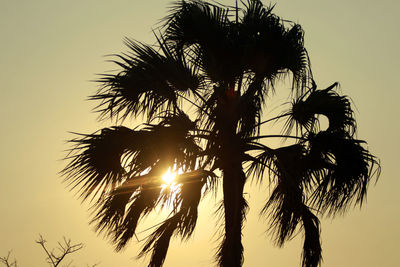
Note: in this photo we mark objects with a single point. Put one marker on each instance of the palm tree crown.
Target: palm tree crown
(201, 91)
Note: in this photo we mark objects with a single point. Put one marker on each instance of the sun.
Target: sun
(169, 184)
(169, 178)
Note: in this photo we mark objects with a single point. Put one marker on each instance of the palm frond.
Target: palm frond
(286, 205)
(158, 242)
(295, 58)
(287, 211)
(205, 32)
(183, 222)
(147, 83)
(269, 48)
(250, 116)
(110, 211)
(350, 169)
(206, 177)
(312, 251)
(95, 160)
(323, 102)
(143, 202)
(250, 108)
(192, 22)
(262, 162)
(286, 201)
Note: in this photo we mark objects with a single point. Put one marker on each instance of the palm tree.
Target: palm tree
(201, 91)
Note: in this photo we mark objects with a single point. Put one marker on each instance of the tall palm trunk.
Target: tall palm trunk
(231, 250)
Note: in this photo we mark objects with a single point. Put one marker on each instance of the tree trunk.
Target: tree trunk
(231, 251)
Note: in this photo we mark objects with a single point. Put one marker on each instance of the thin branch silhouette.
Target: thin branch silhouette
(64, 248)
(7, 262)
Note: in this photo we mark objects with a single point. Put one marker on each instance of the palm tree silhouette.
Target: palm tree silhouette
(218, 64)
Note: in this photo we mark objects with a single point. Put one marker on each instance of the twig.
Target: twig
(6, 261)
(65, 248)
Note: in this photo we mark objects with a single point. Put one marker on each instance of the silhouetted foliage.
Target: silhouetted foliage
(53, 259)
(7, 261)
(201, 91)
(64, 248)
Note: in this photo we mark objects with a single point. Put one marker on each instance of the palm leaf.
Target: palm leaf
(111, 210)
(269, 48)
(350, 169)
(261, 162)
(95, 160)
(286, 205)
(149, 82)
(183, 222)
(250, 108)
(204, 31)
(312, 251)
(286, 200)
(143, 202)
(323, 102)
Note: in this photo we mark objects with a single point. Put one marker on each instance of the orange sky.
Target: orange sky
(49, 52)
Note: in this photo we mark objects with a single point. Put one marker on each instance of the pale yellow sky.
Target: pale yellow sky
(49, 52)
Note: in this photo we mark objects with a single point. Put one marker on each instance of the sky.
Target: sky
(51, 50)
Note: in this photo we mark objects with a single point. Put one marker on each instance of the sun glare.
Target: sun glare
(169, 177)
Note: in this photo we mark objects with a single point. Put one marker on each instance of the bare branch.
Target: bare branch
(53, 258)
(65, 248)
(7, 262)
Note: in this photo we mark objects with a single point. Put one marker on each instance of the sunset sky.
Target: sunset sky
(50, 50)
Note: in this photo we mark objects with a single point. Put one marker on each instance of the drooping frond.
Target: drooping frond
(312, 251)
(250, 108)
(111, 165)
(95, 161)
(148, 82)
(117, 214)
(200, 176)
(183, 222)
(110, 212)
(296, 58)
(269, 48)
(323, 102)
(172, 141)
(260, 31)
(261, 164)
(250, 115)
(286, 205)
(351, 167)
(158, 242)
(202, 30)
(286, 201)
(143, 202)
(191, 22)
